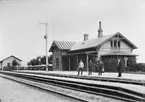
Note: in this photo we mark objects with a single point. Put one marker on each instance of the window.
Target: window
(115, 44)
(8, 64)
(57, 62)
(111, 44)
(118, 44)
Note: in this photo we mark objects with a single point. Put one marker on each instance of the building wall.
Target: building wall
(63, 52)
(106, 48)
(110, 62)
(125, 47)
(57, 59)
(9, 60)
(1, 65)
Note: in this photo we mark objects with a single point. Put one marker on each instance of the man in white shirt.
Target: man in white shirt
(80, 67)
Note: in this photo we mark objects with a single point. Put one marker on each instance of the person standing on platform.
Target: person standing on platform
(95, 65)
(100, 67)
(80, 67)
(90, 68)
(119, 67)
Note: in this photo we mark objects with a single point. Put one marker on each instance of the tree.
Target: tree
(50, 59)
(14, 63)
(33, 62)
(28, 63)
(43, 60)
(40, 60)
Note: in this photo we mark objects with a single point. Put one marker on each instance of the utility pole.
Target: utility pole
(45, 37)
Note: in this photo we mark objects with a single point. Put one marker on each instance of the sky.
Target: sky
(22, 35)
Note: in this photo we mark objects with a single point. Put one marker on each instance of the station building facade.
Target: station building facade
(66, 55)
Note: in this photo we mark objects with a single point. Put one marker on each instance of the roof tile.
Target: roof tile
(64, 45)
(90, 43)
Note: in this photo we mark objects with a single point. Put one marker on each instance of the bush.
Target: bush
(9, 68)
(143, 67)
(137, 67)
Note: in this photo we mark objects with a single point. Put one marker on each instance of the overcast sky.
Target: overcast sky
(21, 34)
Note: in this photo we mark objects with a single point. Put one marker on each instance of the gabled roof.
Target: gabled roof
(134, 46)
(97, 41)
(90, 43)
(11, 56)
(62, 45)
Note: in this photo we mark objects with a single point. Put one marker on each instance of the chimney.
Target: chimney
(100, 30)
(86, 37)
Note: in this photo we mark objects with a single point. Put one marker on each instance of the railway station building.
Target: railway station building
(108, 48)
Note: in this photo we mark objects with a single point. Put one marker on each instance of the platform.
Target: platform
(139, 89)
(106, 74)
(136, 88)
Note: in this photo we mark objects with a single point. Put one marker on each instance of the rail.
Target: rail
(107, 79)
(115, 92)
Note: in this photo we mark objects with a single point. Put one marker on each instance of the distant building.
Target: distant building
(8, 61)
(66, 55)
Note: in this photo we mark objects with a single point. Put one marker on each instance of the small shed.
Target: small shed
(8, 61)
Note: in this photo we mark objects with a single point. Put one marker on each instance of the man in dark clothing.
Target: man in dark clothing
(119, 67)
(95, 66)
(90, 68)
(100, 67)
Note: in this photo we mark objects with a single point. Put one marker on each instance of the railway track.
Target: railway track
(118, 80)
(115, 92)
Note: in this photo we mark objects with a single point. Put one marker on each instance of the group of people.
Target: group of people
(100, 66)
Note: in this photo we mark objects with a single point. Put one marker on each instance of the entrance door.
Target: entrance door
(57, 63)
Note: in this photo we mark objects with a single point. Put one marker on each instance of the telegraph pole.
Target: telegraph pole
(45, 37)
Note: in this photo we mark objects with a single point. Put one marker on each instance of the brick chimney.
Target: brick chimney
(86, 37)
(100, 30)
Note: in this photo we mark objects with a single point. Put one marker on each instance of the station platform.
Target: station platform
(139, 89)
(94, 74)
